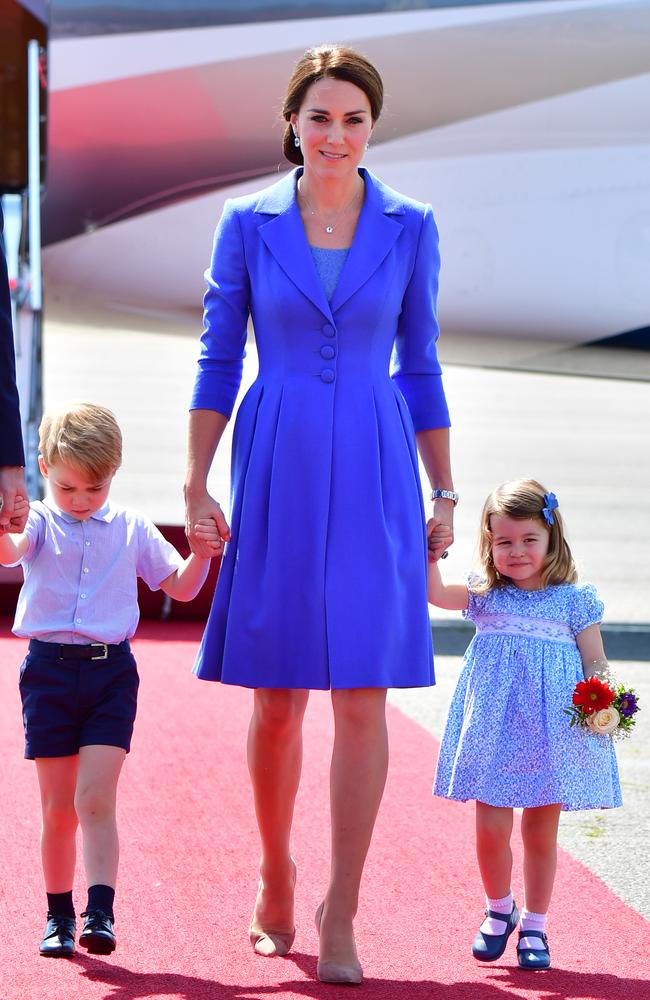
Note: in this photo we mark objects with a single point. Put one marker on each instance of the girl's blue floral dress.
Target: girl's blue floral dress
(507, 741)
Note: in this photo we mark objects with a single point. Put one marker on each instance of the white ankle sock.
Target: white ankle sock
(504, 905)
(532, 922)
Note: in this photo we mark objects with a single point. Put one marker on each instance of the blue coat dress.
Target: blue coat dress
(324, 582)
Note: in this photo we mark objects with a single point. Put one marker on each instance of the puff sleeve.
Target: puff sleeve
(587, 609)
(225, 319)
(415, 366)
(475, 602)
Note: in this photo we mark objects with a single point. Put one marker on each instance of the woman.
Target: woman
(323, 584)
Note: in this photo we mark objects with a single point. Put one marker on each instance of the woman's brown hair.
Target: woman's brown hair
(336, 61)
(523, 499)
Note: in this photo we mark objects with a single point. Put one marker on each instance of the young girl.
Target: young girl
(507, 742)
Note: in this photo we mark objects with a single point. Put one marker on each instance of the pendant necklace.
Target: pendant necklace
(332, 226)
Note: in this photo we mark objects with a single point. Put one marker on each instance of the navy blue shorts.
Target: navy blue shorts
(72, 702)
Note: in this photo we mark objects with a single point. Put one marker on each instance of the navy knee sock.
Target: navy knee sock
(101, 897)
(60, 903)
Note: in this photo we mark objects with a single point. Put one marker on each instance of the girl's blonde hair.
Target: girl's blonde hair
(85, 436)
(523, 499)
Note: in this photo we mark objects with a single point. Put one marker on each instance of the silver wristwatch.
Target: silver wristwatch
(445, 495)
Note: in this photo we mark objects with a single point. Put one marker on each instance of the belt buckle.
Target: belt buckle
(101, 645)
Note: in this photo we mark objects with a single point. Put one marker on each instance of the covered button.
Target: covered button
(327, 375)
(327, 352)
(329, 330)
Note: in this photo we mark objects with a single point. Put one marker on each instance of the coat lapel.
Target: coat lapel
(374, 238)
(284, 235)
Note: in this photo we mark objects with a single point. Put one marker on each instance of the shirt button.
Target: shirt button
(327, 352)
(327, 375)
(86, 570)
(82, 596)
(78, 621)
(329, 330)
(87, 543)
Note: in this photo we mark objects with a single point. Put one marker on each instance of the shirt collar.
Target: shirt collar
(105, 513)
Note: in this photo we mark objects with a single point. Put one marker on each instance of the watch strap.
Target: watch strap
(445, 495)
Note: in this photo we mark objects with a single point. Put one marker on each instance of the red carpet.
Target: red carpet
(189, 856)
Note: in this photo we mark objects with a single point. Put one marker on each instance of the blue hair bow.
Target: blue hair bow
(551, 504)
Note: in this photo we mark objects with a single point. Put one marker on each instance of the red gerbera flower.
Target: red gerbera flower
(592, 695)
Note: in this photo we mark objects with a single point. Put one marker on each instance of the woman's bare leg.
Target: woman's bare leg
(357, 780)
(275, 764)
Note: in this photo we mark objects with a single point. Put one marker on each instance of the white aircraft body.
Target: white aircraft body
(525, 125)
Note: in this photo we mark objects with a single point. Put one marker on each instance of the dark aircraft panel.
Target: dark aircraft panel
(73, 18)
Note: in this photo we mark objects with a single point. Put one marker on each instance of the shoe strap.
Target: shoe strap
(506, 917)
(532, 933)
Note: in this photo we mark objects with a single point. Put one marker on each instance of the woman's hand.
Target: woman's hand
(203, 508)
(440, 529)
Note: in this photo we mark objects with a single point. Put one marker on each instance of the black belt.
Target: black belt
(69, 651)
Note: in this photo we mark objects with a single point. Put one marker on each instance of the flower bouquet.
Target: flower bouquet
(603, 707)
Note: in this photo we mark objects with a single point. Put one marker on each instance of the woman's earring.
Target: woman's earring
(296, 141)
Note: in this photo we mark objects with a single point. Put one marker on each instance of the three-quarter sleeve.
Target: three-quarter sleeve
(225, 319)
(415, 366)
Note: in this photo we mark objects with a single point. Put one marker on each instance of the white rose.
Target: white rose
(605, 721)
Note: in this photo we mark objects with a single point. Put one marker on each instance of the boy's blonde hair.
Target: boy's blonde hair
(85, 436)
(523, 499)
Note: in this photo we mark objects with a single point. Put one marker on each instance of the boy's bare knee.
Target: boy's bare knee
(94, 806)
(59, 815)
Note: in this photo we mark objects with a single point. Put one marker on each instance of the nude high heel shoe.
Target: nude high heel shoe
(267, 941)
(333, 972)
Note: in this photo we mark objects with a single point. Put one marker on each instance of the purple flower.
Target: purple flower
(627, 704)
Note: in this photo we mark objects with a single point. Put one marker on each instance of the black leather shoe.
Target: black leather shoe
(97, 934)
(58, 939)
(534, 958)
(489, 947)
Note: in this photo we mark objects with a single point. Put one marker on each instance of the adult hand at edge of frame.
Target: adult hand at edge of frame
(12, 485)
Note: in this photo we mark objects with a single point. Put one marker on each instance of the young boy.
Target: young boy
(81, 556)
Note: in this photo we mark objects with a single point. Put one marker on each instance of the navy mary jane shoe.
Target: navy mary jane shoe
(533, 958)
(489, 947)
